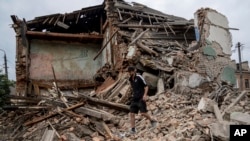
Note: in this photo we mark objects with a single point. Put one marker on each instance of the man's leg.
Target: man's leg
(147, 116)
(143, 109)
(132, 120)
(152, 121)
(133, 110)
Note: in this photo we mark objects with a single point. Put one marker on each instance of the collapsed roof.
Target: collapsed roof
(99, 24)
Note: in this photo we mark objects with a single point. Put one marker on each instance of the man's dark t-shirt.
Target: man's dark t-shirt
(138, 85)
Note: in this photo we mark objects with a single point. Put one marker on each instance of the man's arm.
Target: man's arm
(145, 95)
(144, 84)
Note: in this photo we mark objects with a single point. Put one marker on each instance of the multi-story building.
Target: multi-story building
(244, 85)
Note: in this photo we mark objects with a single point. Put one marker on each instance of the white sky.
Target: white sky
(237, 12)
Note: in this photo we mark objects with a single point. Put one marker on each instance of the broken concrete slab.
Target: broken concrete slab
(206, 104)
(150, 79)
(220, 131)
(195, 80)
(241, 118)
(190, 79)
(160, 86)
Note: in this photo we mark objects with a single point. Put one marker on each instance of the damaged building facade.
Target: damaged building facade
(79, 48)
(186, 64)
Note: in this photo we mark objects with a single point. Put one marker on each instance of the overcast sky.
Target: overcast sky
(237, 12)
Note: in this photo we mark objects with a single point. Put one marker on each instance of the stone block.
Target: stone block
(241, 118)
(220, 131)
(151, 80)
(206, 104)
(160, 86)
(195, 80)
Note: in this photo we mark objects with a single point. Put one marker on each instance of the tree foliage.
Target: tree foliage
(4, 89)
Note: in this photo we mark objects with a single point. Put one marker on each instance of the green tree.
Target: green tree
(4, 89)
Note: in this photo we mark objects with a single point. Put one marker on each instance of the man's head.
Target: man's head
(131, 70)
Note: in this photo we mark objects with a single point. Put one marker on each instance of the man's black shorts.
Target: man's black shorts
(137, 106)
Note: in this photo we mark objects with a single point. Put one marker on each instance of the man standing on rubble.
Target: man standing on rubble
(138, 102)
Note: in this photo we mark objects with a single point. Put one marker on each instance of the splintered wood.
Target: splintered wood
(176, 115)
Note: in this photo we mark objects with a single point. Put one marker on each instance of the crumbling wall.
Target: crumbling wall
(211, 59)
(22, 60)
(34, 71)
(198, 59)
(216, 46)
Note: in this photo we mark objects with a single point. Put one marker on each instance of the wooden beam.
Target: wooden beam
(100, 51)
(14, 107)
(117, 89)
(217, 113)
(54, 75)
(57, 134)
(100, 114)
(138, 37)
(51, 20)
(104, 26)
(48, 135)
(57, 20)
(52, 114)
(139, 26)
(169, 28)
(78, 16)
(107, 130)
(63, 25)
(172, 25)
(45, 20)
(119, 13)
(37, 34)
(235, 102)
(147, 49)
(149, 20)
(144, 16)
(128, 19)
(117, 106)
(166, 30)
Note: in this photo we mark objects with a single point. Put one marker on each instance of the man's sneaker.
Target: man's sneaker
(132, 131)
(153, 123)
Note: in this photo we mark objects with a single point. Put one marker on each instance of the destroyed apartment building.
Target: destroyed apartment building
(72, 81)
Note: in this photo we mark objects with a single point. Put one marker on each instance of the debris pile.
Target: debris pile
(186, 64)
(179, 116)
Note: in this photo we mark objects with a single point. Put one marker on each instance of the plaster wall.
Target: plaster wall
(71, 61)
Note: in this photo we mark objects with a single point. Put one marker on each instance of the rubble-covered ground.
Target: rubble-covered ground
(179, 118)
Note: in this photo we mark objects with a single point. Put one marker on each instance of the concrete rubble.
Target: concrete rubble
(186, 64)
